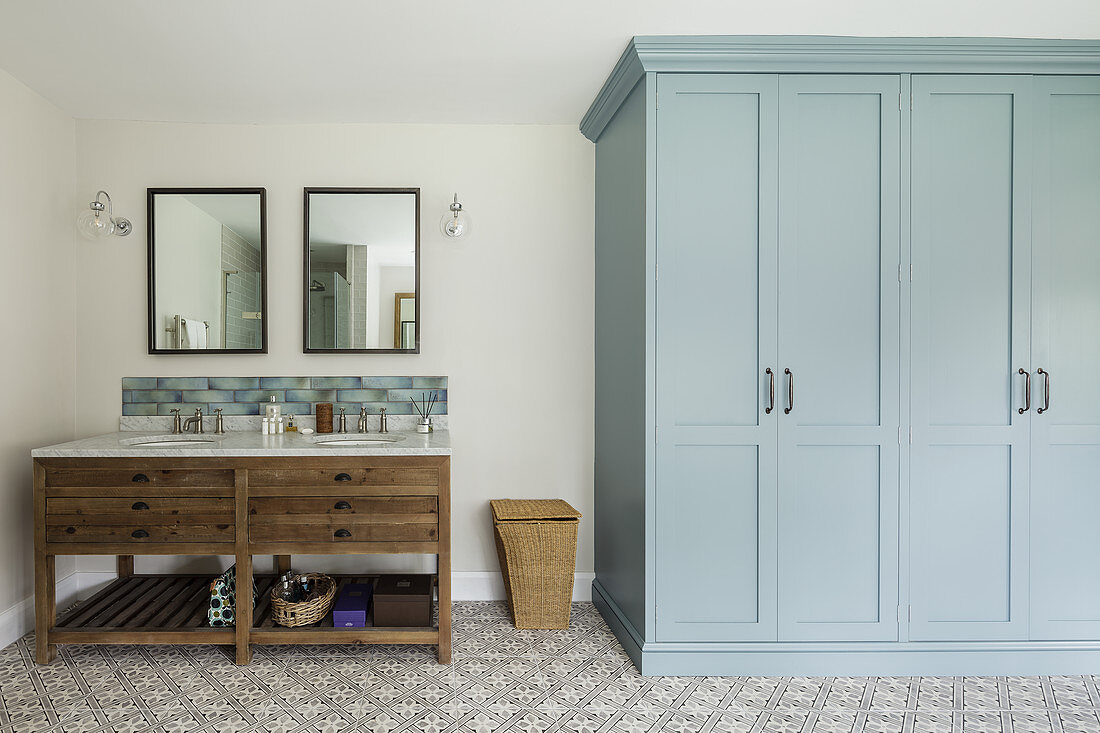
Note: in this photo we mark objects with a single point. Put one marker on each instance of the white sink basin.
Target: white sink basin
(168, 441)
(340, 441)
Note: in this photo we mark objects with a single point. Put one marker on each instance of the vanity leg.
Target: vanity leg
(282, 564)
(125, 566)
(45, 575)
(243, 611)
(444, 564)
(45, 607)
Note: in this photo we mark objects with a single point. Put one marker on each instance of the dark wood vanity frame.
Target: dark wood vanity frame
(306, 348)
(230, 506)
(151, 193)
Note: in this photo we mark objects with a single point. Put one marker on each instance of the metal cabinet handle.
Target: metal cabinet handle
(139, 505)
(1046, 390)
(341, 533)
(342, 505)
(342, 477)
(1027, 392)
(140, 478)
(139, 533)
(771, 391)
(790, 392)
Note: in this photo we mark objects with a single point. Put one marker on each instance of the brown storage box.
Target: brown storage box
(403, 600)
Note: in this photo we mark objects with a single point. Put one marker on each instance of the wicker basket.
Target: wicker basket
(537, 546)
(304, 613)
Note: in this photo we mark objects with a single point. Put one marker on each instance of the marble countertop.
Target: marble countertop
(249, 443)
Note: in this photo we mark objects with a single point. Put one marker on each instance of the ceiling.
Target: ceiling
(425, 61)
(241, 213)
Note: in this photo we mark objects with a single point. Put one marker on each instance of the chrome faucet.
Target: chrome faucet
(197, 419)
(382, 421)
(343, 421)
(177, 427)
(219, 428)
(363, 420)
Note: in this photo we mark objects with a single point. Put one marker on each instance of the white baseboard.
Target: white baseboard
(488, 586)
(465, 586)
(19, 619)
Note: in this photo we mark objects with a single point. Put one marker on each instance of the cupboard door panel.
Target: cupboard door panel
(1065, 503)
(971, 302)
(968, 500)
(715, 450)
(839, 304)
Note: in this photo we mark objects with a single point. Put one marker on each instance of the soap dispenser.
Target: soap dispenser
(274, 410)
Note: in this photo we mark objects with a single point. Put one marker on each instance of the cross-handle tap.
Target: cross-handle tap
(382, 421)
(177, 426)
(363, 420)
(219, 428)
(343, 421)
(196, 419)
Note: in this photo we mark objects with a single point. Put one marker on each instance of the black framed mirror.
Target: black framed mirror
(362, 271)
(207, 270)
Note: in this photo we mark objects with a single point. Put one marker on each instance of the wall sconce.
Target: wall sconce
(455, 223)
(93, 223)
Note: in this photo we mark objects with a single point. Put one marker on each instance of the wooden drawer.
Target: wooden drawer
(141, 477)
(329, 529)
(417, 509)
(139, 509)
(346, 478)
(69, 529)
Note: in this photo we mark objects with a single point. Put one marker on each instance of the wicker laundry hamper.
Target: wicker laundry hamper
(537, 546)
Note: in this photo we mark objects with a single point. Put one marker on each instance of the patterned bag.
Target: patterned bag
(223, 598)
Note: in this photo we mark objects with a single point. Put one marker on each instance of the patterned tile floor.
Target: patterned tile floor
(502, 679)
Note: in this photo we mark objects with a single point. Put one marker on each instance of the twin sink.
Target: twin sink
(334, 441)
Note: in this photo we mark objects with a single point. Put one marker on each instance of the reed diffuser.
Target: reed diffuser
(424, 409)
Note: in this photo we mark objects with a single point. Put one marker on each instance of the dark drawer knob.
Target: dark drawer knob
(342, 505)
(342, 477)
(139, 533)
(140, 478)
(138, 505)
(342, 533)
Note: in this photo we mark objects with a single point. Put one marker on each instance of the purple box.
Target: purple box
(351, 606)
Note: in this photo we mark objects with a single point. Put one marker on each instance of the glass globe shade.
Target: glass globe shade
(94, 224)
(455, 224)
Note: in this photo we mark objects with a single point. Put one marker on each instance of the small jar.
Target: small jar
(324, 417)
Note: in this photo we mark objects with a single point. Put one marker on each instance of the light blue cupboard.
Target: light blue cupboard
(828, 272)
(1065, 344)
(777, 356)
(839, 300)
(971, 329)
(716, 325)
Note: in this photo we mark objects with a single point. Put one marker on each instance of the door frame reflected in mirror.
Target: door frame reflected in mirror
(398, 324)
(306, 348)
(151, 194)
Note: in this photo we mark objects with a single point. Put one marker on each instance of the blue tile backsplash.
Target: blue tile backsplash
(298, 395)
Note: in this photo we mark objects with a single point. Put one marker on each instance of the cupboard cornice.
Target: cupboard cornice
(833, 55)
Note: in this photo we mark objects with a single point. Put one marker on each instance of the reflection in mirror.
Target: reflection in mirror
(207, 251)
(362, 269)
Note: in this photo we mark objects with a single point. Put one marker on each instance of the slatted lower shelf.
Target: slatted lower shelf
(171, 609)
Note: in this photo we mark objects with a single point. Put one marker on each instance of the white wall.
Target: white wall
(189, 267)
(38, 205)
(540, 375)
